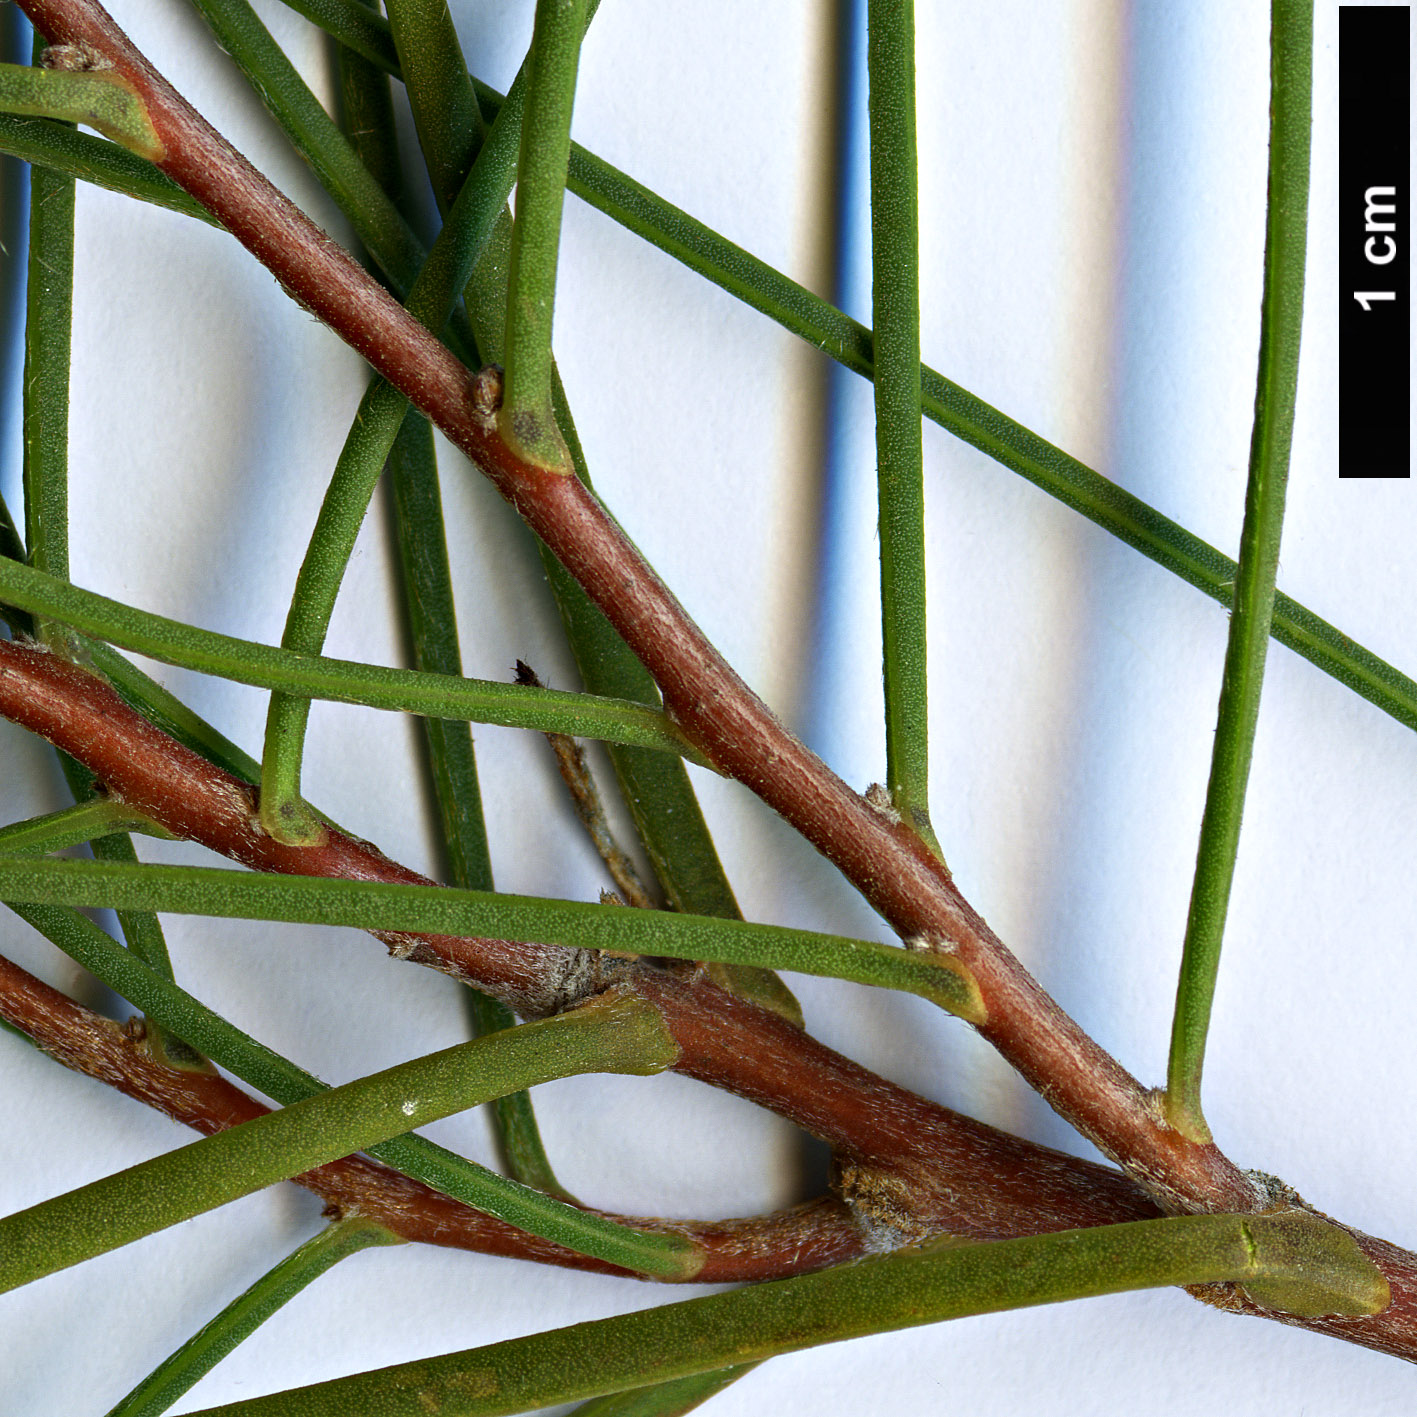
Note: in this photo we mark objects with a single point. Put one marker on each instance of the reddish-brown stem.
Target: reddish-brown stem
(961, 1176)
(906, 1166)
(761, 1247)
(886, 861)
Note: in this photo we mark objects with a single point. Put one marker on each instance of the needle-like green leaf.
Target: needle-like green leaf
(526, 417)
(59, 148)
(279, 1078)
(1282, 311)
(377, 223)
(900, 466)
(374, 905)
(445, 112)
(85, 821)
(610, 1034)
(977, 423)
(357, 26)
(361, 461)
(105, 101)
(406, 690)
(875, 1295)
(368, 116)
(842, 339)
(245, 1314)
(49, 300)
(670, 1399)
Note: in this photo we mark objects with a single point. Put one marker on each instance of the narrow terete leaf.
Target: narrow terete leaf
(900, 466)
(612, 1033)
(279, 1078)
(977, 423)
(1281, 320)
(403, 690)
(245, 1314)
(896, 1291)
(527, 418)
(822, 325)
(49, 301)
(85, 821)
(358, 27)
(672, 1399)
(374, 905)
(418, 523)
(445, 110)
(59, 148)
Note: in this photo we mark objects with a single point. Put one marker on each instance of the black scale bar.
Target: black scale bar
(1374, 214)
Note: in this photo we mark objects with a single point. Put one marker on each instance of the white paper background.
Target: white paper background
(1092, 219)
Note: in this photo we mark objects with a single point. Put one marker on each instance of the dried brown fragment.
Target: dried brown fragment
(78, 58)
(881, 1205)
(487, 392)
(585, 798)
